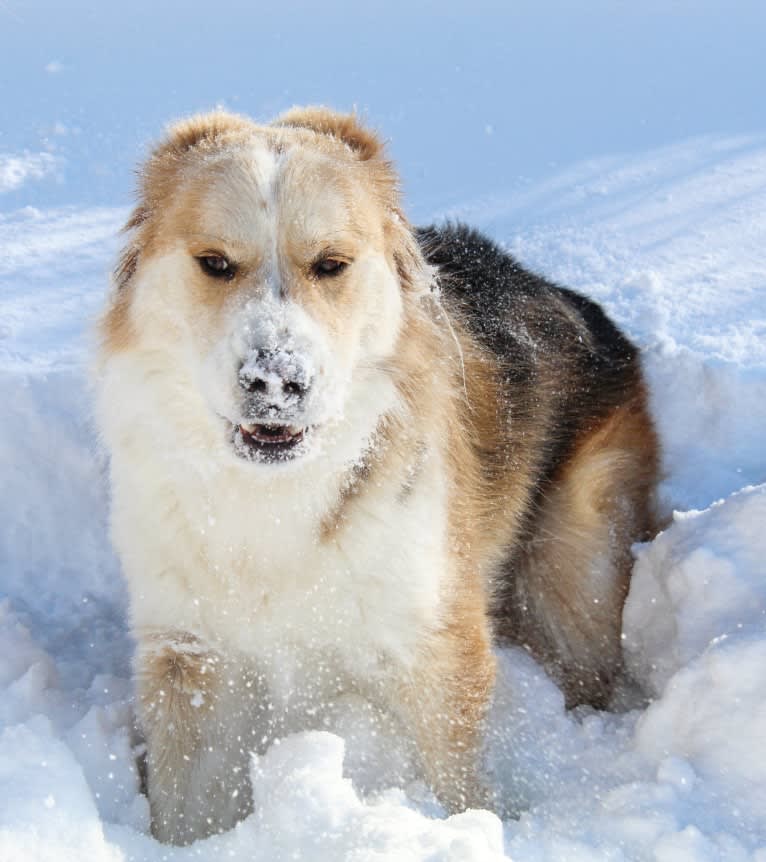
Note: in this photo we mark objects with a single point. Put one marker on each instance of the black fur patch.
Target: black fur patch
(565, 364)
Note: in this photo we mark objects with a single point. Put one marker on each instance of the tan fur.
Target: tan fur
(444, 700)
(344, 127)
(171, 670)
(572, 579)
(183, 688)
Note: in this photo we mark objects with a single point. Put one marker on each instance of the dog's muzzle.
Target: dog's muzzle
(275, 385)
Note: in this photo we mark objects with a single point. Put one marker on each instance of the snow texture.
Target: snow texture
(16, 170)
(653, 206)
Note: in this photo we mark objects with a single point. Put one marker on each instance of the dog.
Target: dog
(348, 455)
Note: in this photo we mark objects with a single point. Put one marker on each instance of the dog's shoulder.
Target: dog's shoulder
(565, 366)
(500, 299)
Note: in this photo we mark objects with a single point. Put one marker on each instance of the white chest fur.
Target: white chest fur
(210, 548)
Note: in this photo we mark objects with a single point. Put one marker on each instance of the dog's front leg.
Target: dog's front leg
(194, 712)
(444, 701)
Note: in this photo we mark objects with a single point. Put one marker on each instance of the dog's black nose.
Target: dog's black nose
(276, 377)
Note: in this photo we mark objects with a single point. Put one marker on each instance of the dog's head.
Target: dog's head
(272, 266)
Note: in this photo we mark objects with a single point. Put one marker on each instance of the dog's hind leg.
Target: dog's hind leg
(568, 584)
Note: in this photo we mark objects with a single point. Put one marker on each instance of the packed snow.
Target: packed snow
(661, 220)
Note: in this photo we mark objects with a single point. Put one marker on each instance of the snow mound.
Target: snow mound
(47, 809)
(305, 808)
(712, 715)
(699, 581)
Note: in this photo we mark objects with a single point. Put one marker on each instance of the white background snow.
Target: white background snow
(617, 147)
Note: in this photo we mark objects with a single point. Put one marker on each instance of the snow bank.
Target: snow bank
(701, 580)
(712, 714)
(47, 809)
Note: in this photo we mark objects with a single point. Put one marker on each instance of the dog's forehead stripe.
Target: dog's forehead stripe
(264, 163)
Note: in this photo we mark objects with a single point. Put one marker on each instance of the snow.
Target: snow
(700, 581)
(15, 170)
(641, 139)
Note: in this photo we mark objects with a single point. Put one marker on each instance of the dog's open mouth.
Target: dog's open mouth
(268, 442)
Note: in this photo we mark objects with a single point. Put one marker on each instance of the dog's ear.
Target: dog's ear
(344, 127)
(415, 275)
(159, 171)
(201, 130)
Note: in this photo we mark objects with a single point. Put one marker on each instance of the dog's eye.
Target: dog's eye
(217, 266)
(328, 266)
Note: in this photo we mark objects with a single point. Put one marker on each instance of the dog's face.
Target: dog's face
(268, 262)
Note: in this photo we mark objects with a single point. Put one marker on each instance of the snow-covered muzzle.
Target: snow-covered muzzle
(275, 381)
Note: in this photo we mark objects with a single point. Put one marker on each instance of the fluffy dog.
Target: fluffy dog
(348, 456)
